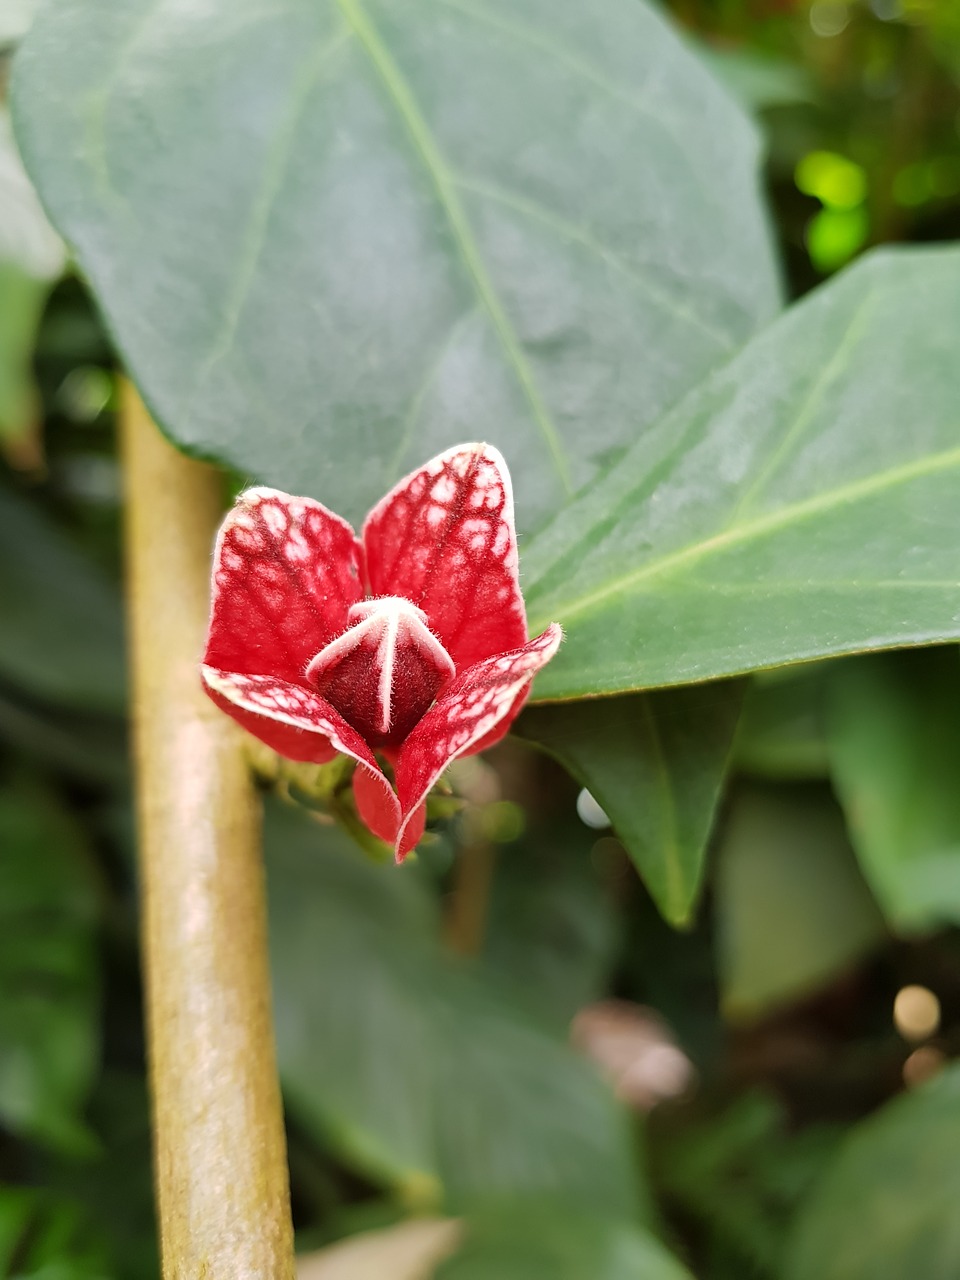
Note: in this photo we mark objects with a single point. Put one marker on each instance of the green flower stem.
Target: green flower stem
(221, 1170)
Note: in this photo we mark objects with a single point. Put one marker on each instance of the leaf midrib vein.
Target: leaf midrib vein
(436, 167)
(771, 523)
(670, 836)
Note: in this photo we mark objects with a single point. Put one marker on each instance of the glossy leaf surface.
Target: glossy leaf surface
(802, 502)
(894, 743)
(419, 1068)
(887, 1206)
(655, 763)
(396, 224)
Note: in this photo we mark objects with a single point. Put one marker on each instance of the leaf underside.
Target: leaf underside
(655, 763)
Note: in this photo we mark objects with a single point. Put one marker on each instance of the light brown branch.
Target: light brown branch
(221, 1171)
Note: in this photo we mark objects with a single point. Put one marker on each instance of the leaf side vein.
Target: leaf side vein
(773, 522)
(582, 236)
(671, 846)
(818, 390)
(440, 176)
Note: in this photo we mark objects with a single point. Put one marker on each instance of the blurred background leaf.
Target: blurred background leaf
(61, 640)
(46, 1237)
(48, 970)
(419, 1068)
(781, 732)
(31, 257)
(556, 1242)
(792, 907)
(885, 1208)
(737, 1172)
(894, 741)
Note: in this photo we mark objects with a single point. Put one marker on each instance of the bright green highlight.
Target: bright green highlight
(835, 235)
(837, 182)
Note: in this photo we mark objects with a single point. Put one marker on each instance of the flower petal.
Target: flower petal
(286, 571)
(444, 538)
(483, 699)
(302, 726)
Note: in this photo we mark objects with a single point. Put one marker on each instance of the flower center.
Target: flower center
(384, 672)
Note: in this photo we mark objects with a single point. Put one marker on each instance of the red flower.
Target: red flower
(410, 641)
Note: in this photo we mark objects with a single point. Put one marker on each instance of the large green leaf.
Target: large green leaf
(417, 1067)
(801, 502)
(557, 1242)
(792, 908)
(894, 741)
(61, 638)
(886, 1208)
(49, 1036)
(334, 236)
(655, 763)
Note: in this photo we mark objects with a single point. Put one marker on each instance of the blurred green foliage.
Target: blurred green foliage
(452, 1085)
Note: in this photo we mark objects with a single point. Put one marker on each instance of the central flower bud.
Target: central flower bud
(384, 672)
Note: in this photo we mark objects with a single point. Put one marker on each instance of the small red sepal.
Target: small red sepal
(483, 700)
(301, 726)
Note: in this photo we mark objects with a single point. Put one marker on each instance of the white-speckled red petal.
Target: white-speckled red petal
(285, 573)
(303, 726)
(444, 539)
(482, 700)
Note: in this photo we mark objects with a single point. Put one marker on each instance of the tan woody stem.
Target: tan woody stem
(221, 1172)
